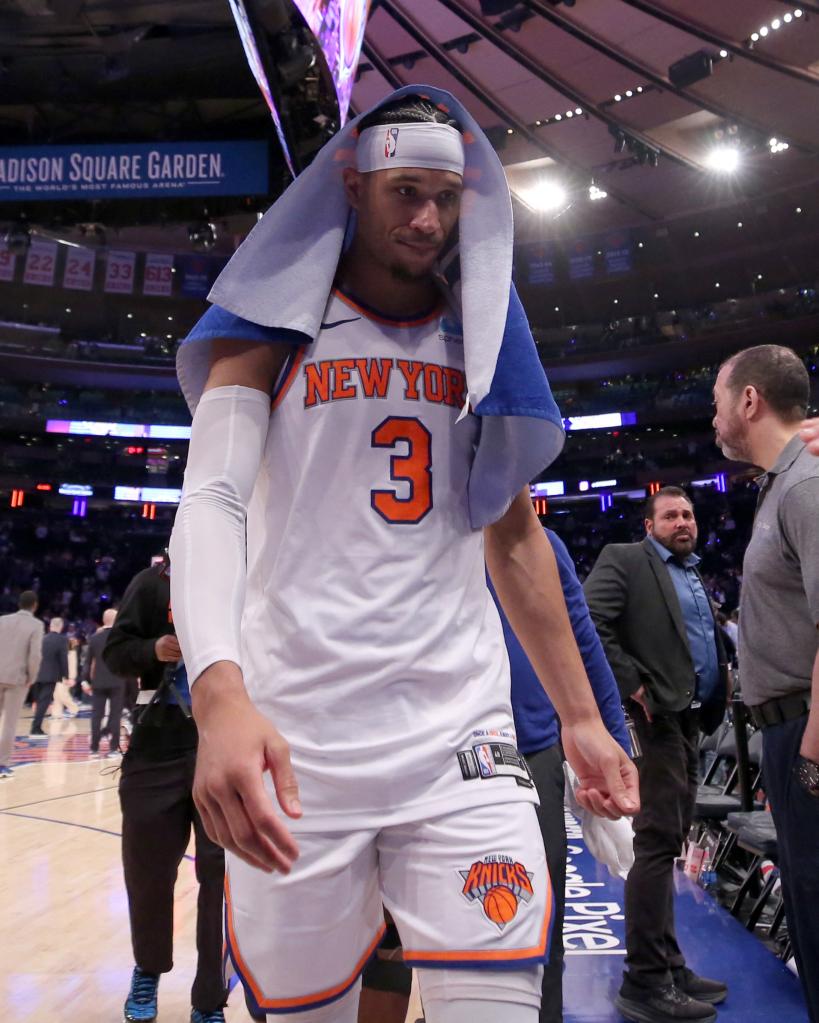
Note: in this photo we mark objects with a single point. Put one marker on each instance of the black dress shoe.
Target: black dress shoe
(701, 988)
(666, 1004)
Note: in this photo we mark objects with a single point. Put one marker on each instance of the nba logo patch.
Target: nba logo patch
(391, 142)
(500, 885)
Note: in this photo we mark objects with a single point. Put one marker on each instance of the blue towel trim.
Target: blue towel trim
(219, 323)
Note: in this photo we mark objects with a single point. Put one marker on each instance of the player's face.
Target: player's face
(730, 428)
(674, 525)
(405, 217)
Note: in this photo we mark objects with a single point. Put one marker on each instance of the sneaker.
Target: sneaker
(665, 1004)
(215, 1016)
(37, 731)
(6, 772)
(94, 754)
(140, 1005)
(112, 754)
(701, 988)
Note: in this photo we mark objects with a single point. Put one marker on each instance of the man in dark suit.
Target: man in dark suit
(654, 617)
(105, 687)
(53, 669)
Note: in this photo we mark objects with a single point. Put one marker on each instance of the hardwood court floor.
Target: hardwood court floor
(64, 937)
(64, 920)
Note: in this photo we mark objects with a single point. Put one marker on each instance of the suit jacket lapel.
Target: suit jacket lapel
(666, 588)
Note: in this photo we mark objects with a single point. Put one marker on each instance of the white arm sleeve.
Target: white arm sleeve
(208, 548)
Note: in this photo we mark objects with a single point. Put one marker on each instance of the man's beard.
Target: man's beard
(732, 444)
(405, 275)
(678, 545)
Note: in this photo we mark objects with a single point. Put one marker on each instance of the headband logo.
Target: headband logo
(391, 142)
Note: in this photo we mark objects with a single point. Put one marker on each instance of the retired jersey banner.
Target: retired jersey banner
(79, 269)
(581, 259)
(617, 252)
(198, 273)
(133, 169)
(41, 262)
(8, 261)
(541, 264)
(158, 277)
(119, 273)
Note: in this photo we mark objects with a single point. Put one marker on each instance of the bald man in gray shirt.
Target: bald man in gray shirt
(761, 395)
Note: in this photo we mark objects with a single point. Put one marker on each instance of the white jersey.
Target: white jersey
(369, 635)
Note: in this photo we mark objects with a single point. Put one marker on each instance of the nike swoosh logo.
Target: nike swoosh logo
(338, 323)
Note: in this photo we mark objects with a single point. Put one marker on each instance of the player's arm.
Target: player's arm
(208, 571)
(525, 576)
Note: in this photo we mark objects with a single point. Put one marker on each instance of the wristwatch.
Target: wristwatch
(807, 774)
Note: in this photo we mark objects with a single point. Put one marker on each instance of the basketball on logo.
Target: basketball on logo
(500, 904)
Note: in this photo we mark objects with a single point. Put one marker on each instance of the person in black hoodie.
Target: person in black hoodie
(158, 811)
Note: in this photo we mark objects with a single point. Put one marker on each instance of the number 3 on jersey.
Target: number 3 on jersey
(414, 467)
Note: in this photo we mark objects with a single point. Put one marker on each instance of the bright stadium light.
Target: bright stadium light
(545, 196)
(723, 159)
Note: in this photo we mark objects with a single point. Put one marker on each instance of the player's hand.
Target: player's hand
(237, 744)
(809, 433)
(607, 778)
(640, 697)
(167, 649)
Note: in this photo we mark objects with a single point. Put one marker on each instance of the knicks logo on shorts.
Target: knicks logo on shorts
(500, 884)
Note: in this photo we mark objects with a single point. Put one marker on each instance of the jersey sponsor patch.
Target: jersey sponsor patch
(450, 331)
(493, 759)
(500, 885)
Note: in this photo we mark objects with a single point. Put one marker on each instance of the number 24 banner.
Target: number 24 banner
(119, 272)
(79, 269)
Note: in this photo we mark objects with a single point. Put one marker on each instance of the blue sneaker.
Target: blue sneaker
(140, 1005)
(216, 1016)
(6, 772)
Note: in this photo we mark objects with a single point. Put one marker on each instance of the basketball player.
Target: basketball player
(358, 657)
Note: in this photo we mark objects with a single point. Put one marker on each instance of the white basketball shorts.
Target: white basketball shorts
(470, 889)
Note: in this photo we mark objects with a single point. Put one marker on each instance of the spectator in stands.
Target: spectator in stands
(21, 643)
(105, 688)
(654, 617)
(53, 669)
(761, 395)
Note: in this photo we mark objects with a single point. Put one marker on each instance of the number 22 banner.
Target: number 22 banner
(41, 262)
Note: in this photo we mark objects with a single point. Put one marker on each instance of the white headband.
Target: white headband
(428, 144)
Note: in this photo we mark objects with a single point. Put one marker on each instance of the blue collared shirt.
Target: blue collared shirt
(536, 721)
(698, 619)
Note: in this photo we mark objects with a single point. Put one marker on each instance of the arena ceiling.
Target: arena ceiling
(95, 70)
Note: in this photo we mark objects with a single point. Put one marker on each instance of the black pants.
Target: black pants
(43, 695)
(99, 697)
(157, 815)
(547, 770)
(796, 815)
(668, 791)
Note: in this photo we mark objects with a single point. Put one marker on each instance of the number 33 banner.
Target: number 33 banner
(79, 269)
(41, 262)
(119, 273)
